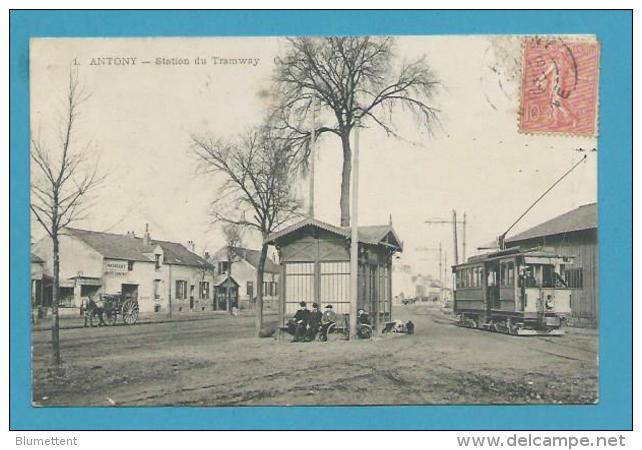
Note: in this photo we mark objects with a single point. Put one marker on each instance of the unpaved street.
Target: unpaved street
(215, 361)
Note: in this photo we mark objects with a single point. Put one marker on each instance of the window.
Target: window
(508, 274)
(223, 267)
(276, 288)
(491, 278)
(204, 290)
(157, 289)
(574, 278)
(249, 289)
(181, 289)
(130, 265)
(157, 256)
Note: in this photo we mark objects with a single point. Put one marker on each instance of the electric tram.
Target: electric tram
(513, 291)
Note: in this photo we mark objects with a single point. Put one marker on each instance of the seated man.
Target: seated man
(314, 323)
(364, 327)
(297, 326)
(363, 317)
(329, 317)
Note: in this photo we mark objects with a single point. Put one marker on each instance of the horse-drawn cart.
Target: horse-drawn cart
(120, 305)
(112, 306)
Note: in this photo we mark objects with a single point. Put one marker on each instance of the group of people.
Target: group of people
(306, 324)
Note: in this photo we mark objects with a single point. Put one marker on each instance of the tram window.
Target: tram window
(508, 274)
(491, 278)
(528, 277)
(548, 276)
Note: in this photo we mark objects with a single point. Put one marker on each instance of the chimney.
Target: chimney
(191, 246)
(146, 238)
(206, 255)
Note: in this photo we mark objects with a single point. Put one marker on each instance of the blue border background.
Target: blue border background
(614, 30)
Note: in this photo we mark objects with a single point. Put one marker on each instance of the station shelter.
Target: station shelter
(314, 258)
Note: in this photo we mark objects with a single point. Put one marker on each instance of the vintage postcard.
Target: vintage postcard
(369, 220)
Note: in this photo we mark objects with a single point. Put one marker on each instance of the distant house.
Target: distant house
(159, 274)
(38, 279)
(245, 263)
(573, 233)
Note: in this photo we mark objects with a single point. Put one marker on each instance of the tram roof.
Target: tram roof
(513, 251)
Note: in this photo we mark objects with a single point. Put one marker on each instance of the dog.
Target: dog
(398, 326)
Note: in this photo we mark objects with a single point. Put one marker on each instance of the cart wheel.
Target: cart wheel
(364, 332)
(334, 334)
(130, 312)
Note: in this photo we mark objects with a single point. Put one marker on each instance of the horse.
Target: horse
(91, 308)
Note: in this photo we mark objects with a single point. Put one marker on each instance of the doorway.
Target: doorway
(129, 291)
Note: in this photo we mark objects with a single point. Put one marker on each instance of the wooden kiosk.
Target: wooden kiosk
(315, 267)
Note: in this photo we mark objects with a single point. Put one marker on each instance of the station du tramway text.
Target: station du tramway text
(131, 61)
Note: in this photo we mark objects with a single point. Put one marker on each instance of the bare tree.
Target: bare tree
(256, 190)
(62, 179)
(353, 81)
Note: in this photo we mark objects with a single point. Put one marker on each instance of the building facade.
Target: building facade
(37, 281)
(161, 275)
(571, 234)
(245, 263)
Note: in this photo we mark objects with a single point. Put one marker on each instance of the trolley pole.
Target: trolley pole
(354, 243)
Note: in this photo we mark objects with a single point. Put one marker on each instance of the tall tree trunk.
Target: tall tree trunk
(259, 286)
(344, 202)
(55, 328)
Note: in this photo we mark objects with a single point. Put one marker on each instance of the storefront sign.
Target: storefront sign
(116, 268)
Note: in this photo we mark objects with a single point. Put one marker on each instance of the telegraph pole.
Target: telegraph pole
(313, 142)
(454, 222)
(463, 240)
(354, 244)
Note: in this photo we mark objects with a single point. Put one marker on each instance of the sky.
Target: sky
(139, 118)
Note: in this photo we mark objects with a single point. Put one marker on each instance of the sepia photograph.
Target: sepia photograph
(314, 220)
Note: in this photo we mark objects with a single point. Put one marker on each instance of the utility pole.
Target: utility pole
(445, 269)
(454, 222)
(463, 240)
(354, 244)
(313, 142)
(455, 236)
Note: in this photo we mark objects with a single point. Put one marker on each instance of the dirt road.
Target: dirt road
(216, 362)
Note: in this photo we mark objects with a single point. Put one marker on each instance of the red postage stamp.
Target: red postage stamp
(559, 86)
